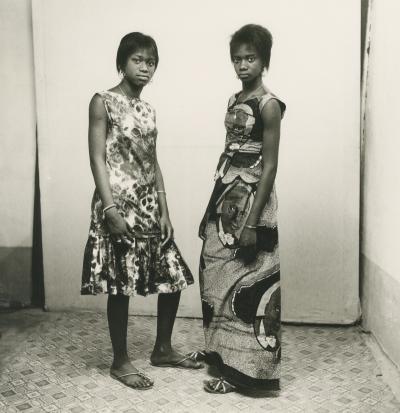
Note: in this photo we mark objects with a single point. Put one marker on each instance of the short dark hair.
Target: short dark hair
(132, 42)
(255, 35)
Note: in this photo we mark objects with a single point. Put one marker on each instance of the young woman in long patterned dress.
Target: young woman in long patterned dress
(130, 249)
(239, 264)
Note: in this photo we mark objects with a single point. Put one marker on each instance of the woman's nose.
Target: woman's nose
(242, 65)
(143, 66)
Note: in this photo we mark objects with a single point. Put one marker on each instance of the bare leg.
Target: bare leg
(117, 314)
(163, 351)
(166, 314)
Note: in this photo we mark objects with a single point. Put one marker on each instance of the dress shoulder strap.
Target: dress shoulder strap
(105, 97)
(232, 100)
(267, 97)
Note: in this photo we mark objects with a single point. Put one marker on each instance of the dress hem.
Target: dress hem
(238, 378)
(86, 292)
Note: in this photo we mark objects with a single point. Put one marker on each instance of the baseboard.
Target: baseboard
(380, 298)
(390, 371)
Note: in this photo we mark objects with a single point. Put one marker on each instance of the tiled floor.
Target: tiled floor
(59, 362)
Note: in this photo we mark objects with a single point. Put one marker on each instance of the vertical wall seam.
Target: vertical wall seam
(40, 97)
(363, 119)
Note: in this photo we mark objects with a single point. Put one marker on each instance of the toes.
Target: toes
(143, 383)
(148, 381)
(137, 381)
(220, 386)
(133, 381)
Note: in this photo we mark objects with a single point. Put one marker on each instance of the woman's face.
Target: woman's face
(247, 63)
(140, 67)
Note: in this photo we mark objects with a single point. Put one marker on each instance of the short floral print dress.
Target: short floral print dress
(139, 264)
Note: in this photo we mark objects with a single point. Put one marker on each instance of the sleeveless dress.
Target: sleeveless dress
(139, 264)
(241, 299)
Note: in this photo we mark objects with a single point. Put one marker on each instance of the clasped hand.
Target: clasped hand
(247, 250)
(120, 231)
(117, 227)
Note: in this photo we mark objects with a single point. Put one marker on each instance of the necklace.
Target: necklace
(250, 94)
(128, 97)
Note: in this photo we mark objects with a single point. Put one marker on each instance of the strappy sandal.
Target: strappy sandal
(120, 378)
(218, 386)
(197, 355)
(180, 363)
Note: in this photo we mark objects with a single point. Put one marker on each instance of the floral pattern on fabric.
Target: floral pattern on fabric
(139, 265)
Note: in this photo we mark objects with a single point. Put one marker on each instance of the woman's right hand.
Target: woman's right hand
(116, 225)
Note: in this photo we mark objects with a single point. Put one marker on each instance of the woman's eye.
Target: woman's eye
(236, 60)
(251, 59)
(151, 64)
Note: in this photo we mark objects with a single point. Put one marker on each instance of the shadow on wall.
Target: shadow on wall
(38, 298)
(364, 13)
(21, 268)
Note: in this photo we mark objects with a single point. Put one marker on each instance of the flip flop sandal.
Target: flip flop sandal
(143, 376)
(197, 355)
(180, 363)
(219, 386)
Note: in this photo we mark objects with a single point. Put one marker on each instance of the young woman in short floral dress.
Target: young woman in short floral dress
(130, 249)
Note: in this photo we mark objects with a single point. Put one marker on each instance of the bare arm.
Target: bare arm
(97, 153)
(167, 230)
(97, 148)
(162, 199)
(271, 116)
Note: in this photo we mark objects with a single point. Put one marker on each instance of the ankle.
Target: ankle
(120, 360)
(162, 348)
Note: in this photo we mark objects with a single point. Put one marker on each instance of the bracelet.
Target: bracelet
(161, 192)
(108, 207)
(251, 226)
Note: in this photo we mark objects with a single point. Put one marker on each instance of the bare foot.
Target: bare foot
(173, 358)
(129, 375)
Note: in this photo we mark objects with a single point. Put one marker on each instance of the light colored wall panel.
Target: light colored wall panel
(314, 68)
(17, 120)
(381, 202)
(17, 151)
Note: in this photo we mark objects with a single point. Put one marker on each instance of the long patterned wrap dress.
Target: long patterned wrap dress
(241, 300)
(139, 264)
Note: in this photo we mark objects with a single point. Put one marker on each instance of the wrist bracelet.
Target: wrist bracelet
(161, 192)
(251, 226)
(108, 207)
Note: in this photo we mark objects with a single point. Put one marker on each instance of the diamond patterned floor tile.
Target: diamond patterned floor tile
(58, 362)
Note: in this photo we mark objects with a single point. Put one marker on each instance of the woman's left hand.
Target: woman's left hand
(248, 238)
(167, 231)
(247, 245)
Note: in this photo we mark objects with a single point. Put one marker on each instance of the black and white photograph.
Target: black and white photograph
(199, 206)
